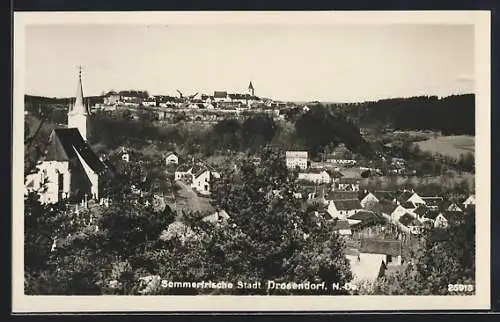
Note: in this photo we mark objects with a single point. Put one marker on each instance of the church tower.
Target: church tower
(78, 114)
(250, 89)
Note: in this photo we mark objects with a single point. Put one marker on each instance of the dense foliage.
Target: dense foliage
(446, 257)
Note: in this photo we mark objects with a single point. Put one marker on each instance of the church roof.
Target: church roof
(64, 145)
(250, 86)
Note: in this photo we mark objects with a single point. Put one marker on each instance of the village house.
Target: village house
(448, 205)
(149, 101)
(346, 184)
(470, 201)
(111, 98)
(368, 198)
(318, 176)
(297, 159)
(343, 209)
(220, 96)
(392, 211)
(202, 177)
(218, 218)
(71, 169)
(342, 228)
(409, 196)
(183, 172)
(432, 202)
(340, 195)
(385, 195)
(372, 257)
(171, 158)
(447, 218)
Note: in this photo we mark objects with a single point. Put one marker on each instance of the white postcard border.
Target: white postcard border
(481, 300)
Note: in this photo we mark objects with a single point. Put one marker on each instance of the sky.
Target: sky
(334, 63)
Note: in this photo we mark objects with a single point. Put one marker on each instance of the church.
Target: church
(70, 169)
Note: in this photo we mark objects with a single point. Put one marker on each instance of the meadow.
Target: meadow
(452, 146)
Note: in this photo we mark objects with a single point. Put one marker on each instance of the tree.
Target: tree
(446, 256)
(268, 226)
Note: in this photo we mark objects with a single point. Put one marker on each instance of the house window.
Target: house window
(389, 258)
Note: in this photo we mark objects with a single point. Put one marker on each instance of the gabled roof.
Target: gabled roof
(349, 180)
(169, 154)
(380, 246)
(367, 216)
(342, 195)
(409, 220)
(183, 168)
(408, 205)
(341, 225)
(363, 194)
(386, 207)
(404, 196)
(384, 195)
(445, 204)
(347, 204)
(220, 94)
(64, 145)
(313, 170)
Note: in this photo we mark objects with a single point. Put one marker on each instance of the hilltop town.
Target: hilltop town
(206, 186)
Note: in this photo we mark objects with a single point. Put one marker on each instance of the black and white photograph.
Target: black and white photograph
(229, 160)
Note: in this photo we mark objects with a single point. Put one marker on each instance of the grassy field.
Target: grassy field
(449, 145)
(442, 180)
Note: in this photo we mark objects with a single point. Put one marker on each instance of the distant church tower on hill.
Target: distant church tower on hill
(251, 90)
(78, 113)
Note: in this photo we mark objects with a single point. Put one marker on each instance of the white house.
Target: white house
(470, 201)
(343, 209)
(368, 199)
(71, 169)
(346, 184)
(202, 177)
(171, 158)
(297, 159)
(217, 218)
(446, 218)
(342, 162)
(318, 176)
(373, 256)
(182, 172)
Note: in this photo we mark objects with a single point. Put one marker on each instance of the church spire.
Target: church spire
(78, 112)
(79, 107)
(251, 89)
